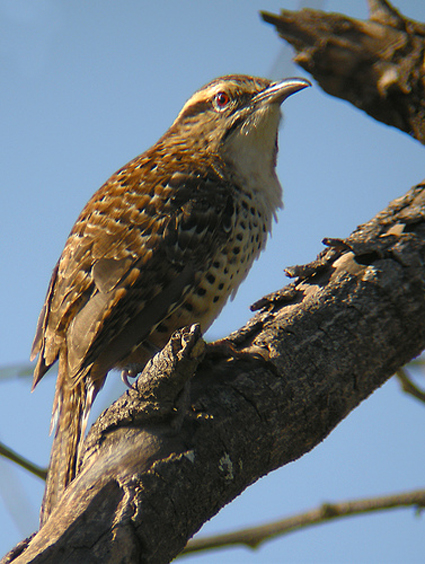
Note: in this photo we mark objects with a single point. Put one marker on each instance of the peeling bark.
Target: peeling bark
(197, 430)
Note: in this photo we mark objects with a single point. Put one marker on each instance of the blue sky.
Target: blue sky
(86, 86)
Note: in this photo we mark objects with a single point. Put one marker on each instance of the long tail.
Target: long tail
(72, 403)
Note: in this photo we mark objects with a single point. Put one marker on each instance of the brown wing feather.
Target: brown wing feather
(128, 262)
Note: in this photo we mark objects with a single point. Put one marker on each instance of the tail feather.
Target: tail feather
(72, 406)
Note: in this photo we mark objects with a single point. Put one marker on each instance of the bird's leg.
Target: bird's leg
(133, 370)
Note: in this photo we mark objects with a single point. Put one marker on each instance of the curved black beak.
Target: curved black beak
(277, 92)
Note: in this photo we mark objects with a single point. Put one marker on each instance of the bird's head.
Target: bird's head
(233, 116)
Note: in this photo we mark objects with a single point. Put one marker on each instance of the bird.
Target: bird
(161, 245)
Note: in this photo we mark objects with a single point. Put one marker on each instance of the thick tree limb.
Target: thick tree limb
(377, 64)
(158, 463)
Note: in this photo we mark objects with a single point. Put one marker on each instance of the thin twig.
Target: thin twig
(21, 461)
(254, 536)
(408, 386)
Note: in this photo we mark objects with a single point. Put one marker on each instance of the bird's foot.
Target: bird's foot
(126, 374)
(226, 348)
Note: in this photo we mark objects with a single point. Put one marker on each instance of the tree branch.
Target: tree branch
(163, 459)
(408, 386)
(23, 462)
(254, 536)
(377, 64)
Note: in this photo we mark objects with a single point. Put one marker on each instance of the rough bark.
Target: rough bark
(168, 455)
(377, 64)
(197, 430)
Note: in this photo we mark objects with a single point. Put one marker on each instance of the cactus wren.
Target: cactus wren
(162, 244)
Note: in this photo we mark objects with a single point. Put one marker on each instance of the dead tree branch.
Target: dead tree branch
(164, 459)
(254, 536)
(377, 64)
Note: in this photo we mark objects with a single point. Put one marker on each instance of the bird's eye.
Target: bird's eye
(221, 101)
